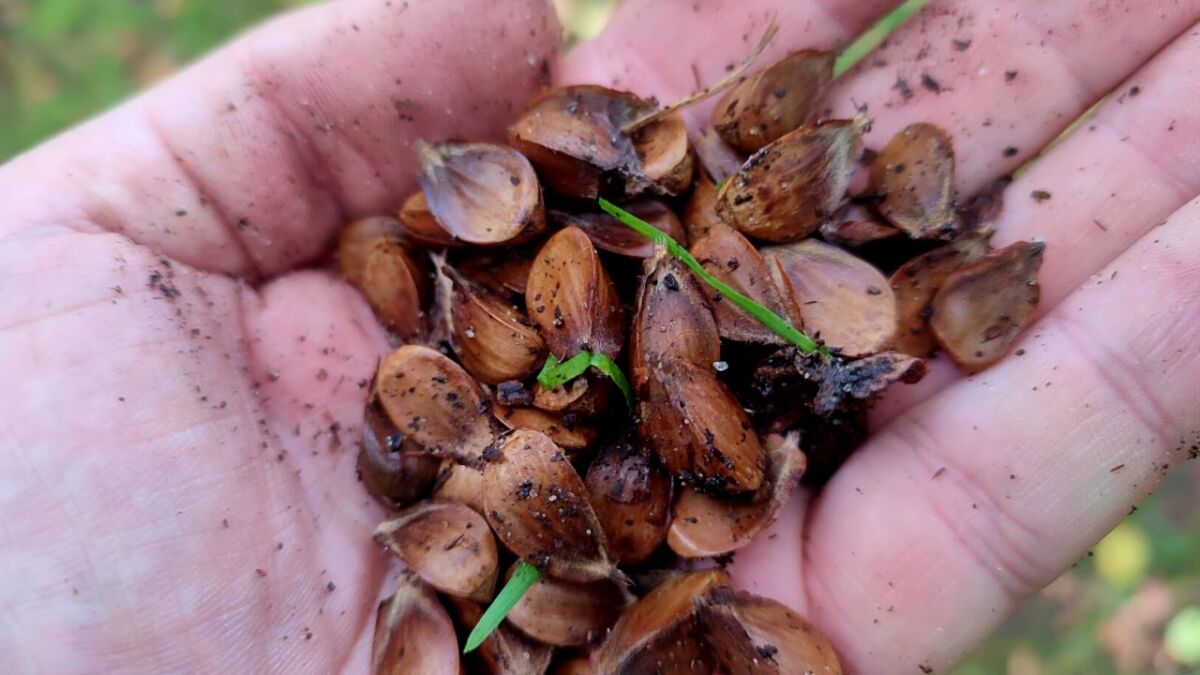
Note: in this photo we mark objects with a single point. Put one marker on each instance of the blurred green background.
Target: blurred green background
(1133, 606)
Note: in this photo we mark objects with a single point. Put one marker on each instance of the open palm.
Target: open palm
(180, 402)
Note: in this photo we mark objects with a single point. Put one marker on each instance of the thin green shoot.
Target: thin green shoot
(556, 373)
(525, 576)
(867, 41)
(766, 317)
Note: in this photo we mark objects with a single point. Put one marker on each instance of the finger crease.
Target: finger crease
(197, 183)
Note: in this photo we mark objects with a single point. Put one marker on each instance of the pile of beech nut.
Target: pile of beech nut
(626, 510)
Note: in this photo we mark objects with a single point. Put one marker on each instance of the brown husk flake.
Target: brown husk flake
(982, 307)
(538, 507)
(447, 544)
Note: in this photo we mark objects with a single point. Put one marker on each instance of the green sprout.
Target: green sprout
(765, 316)
(556, 373)
(525, 576)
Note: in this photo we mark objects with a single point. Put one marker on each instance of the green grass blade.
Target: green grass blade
(613, 372)
(765, 316)
(556, 373)
(525, 576)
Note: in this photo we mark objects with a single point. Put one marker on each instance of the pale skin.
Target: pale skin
(177, 490)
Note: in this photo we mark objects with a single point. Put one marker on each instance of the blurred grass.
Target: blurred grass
(1133, 607)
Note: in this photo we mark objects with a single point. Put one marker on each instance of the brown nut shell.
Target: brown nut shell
(673, 322)
(730, 257)
(858, 227)
(461, 483)
(982, 307)
(573, 136)
(914, 285)
(572, 300)
(846, 301)
(788, 188)
(609, 234)
(700, 212)
(447, 544)
(394, 470)
(356, 241)
(696, 428)
(705, 526)
(661, 613)
(667, 162)
(482, 193)
(769, 104)
(564, 430)
(718, 159)
(568, 613)
(396, 285)
(538, 507)
(504, 274)
(419, 225)
(913, 177)
(413, 633)
(494, 341)
(791, 643)
(433, 401)
(632, 497)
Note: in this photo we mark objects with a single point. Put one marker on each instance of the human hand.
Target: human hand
(176, 474)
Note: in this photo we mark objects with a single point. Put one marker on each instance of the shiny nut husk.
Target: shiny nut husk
(730, 257)
(780, 98)
(396, 285)
(982, 307)
(913, 177)
(538, 507)
(356, 241)
(493, 339)
(394, 470)
(413, 633)
(482, 193)
(574, 136)
(632, 497)
(788, 188)
(915, 283)
(572, 300)
(447, 544)
(434, 402)
(419, 225)
(568, 613)
(705, 526)
(846, 301)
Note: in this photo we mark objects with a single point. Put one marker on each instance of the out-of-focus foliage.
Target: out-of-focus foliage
(63, 60)
(1133, 606)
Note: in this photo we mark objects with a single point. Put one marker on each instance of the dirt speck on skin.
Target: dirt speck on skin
(901, 86)
(1039, 196)
(931, 84)
(1010, 75)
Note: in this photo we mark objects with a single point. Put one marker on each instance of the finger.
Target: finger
(1004, 75)
(1118, 176)
(249, 161)
(668, 49)
(989, 490)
